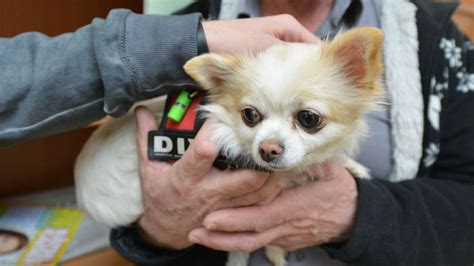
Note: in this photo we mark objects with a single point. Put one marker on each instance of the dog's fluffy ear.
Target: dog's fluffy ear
(211, 71)
(359, 53)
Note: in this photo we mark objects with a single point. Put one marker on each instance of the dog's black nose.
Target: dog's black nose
(270, 150)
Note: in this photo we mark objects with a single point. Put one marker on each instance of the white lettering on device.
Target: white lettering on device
(181, 147)
(162, 144)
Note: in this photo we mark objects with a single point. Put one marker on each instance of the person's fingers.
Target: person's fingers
(229, 184)
(198, 159)
(327, 170)
(262, 196)
(296, 241)
(260, 33)
(290, 30)
(146, 122)
(307, 37)
(256, 218)
(244, 241)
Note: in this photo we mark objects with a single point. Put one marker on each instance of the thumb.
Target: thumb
(198, 159)
(146, 122)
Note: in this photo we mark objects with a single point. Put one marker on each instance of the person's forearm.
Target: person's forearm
(49, 85)
(419, 222)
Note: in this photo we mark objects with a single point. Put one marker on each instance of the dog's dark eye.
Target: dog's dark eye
(250, 116)
(310, 121)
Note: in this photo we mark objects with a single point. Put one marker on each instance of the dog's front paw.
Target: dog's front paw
(276, 255)
(237, 259)
(356, 169)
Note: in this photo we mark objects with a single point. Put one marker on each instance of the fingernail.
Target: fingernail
(137, 107)
(194, 239)
(211, 226)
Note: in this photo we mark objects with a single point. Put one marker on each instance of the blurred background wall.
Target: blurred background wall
(48, 162)
(54, 17)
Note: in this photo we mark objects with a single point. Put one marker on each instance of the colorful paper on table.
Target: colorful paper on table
(36, 235)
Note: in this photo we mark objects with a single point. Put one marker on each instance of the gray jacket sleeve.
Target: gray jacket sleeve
(53, 84)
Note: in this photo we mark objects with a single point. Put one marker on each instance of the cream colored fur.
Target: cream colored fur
(106, 171)
(339, 81)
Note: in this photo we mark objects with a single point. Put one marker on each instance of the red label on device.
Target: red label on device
(187, 124)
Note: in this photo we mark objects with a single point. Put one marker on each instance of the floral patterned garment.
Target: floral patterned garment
(455, 80)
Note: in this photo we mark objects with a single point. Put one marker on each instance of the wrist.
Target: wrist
(208, 30)
(347, 217)
(151, 233)
(368, 227)
(143, 233)
(148, 231)
(128, 243)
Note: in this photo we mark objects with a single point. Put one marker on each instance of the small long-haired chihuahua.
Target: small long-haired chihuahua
(284, 109)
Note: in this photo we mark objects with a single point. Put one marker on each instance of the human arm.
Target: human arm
(54, 84)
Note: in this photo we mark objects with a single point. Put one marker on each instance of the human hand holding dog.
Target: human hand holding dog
(319, 212)
(254, 34)
(177, 197)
